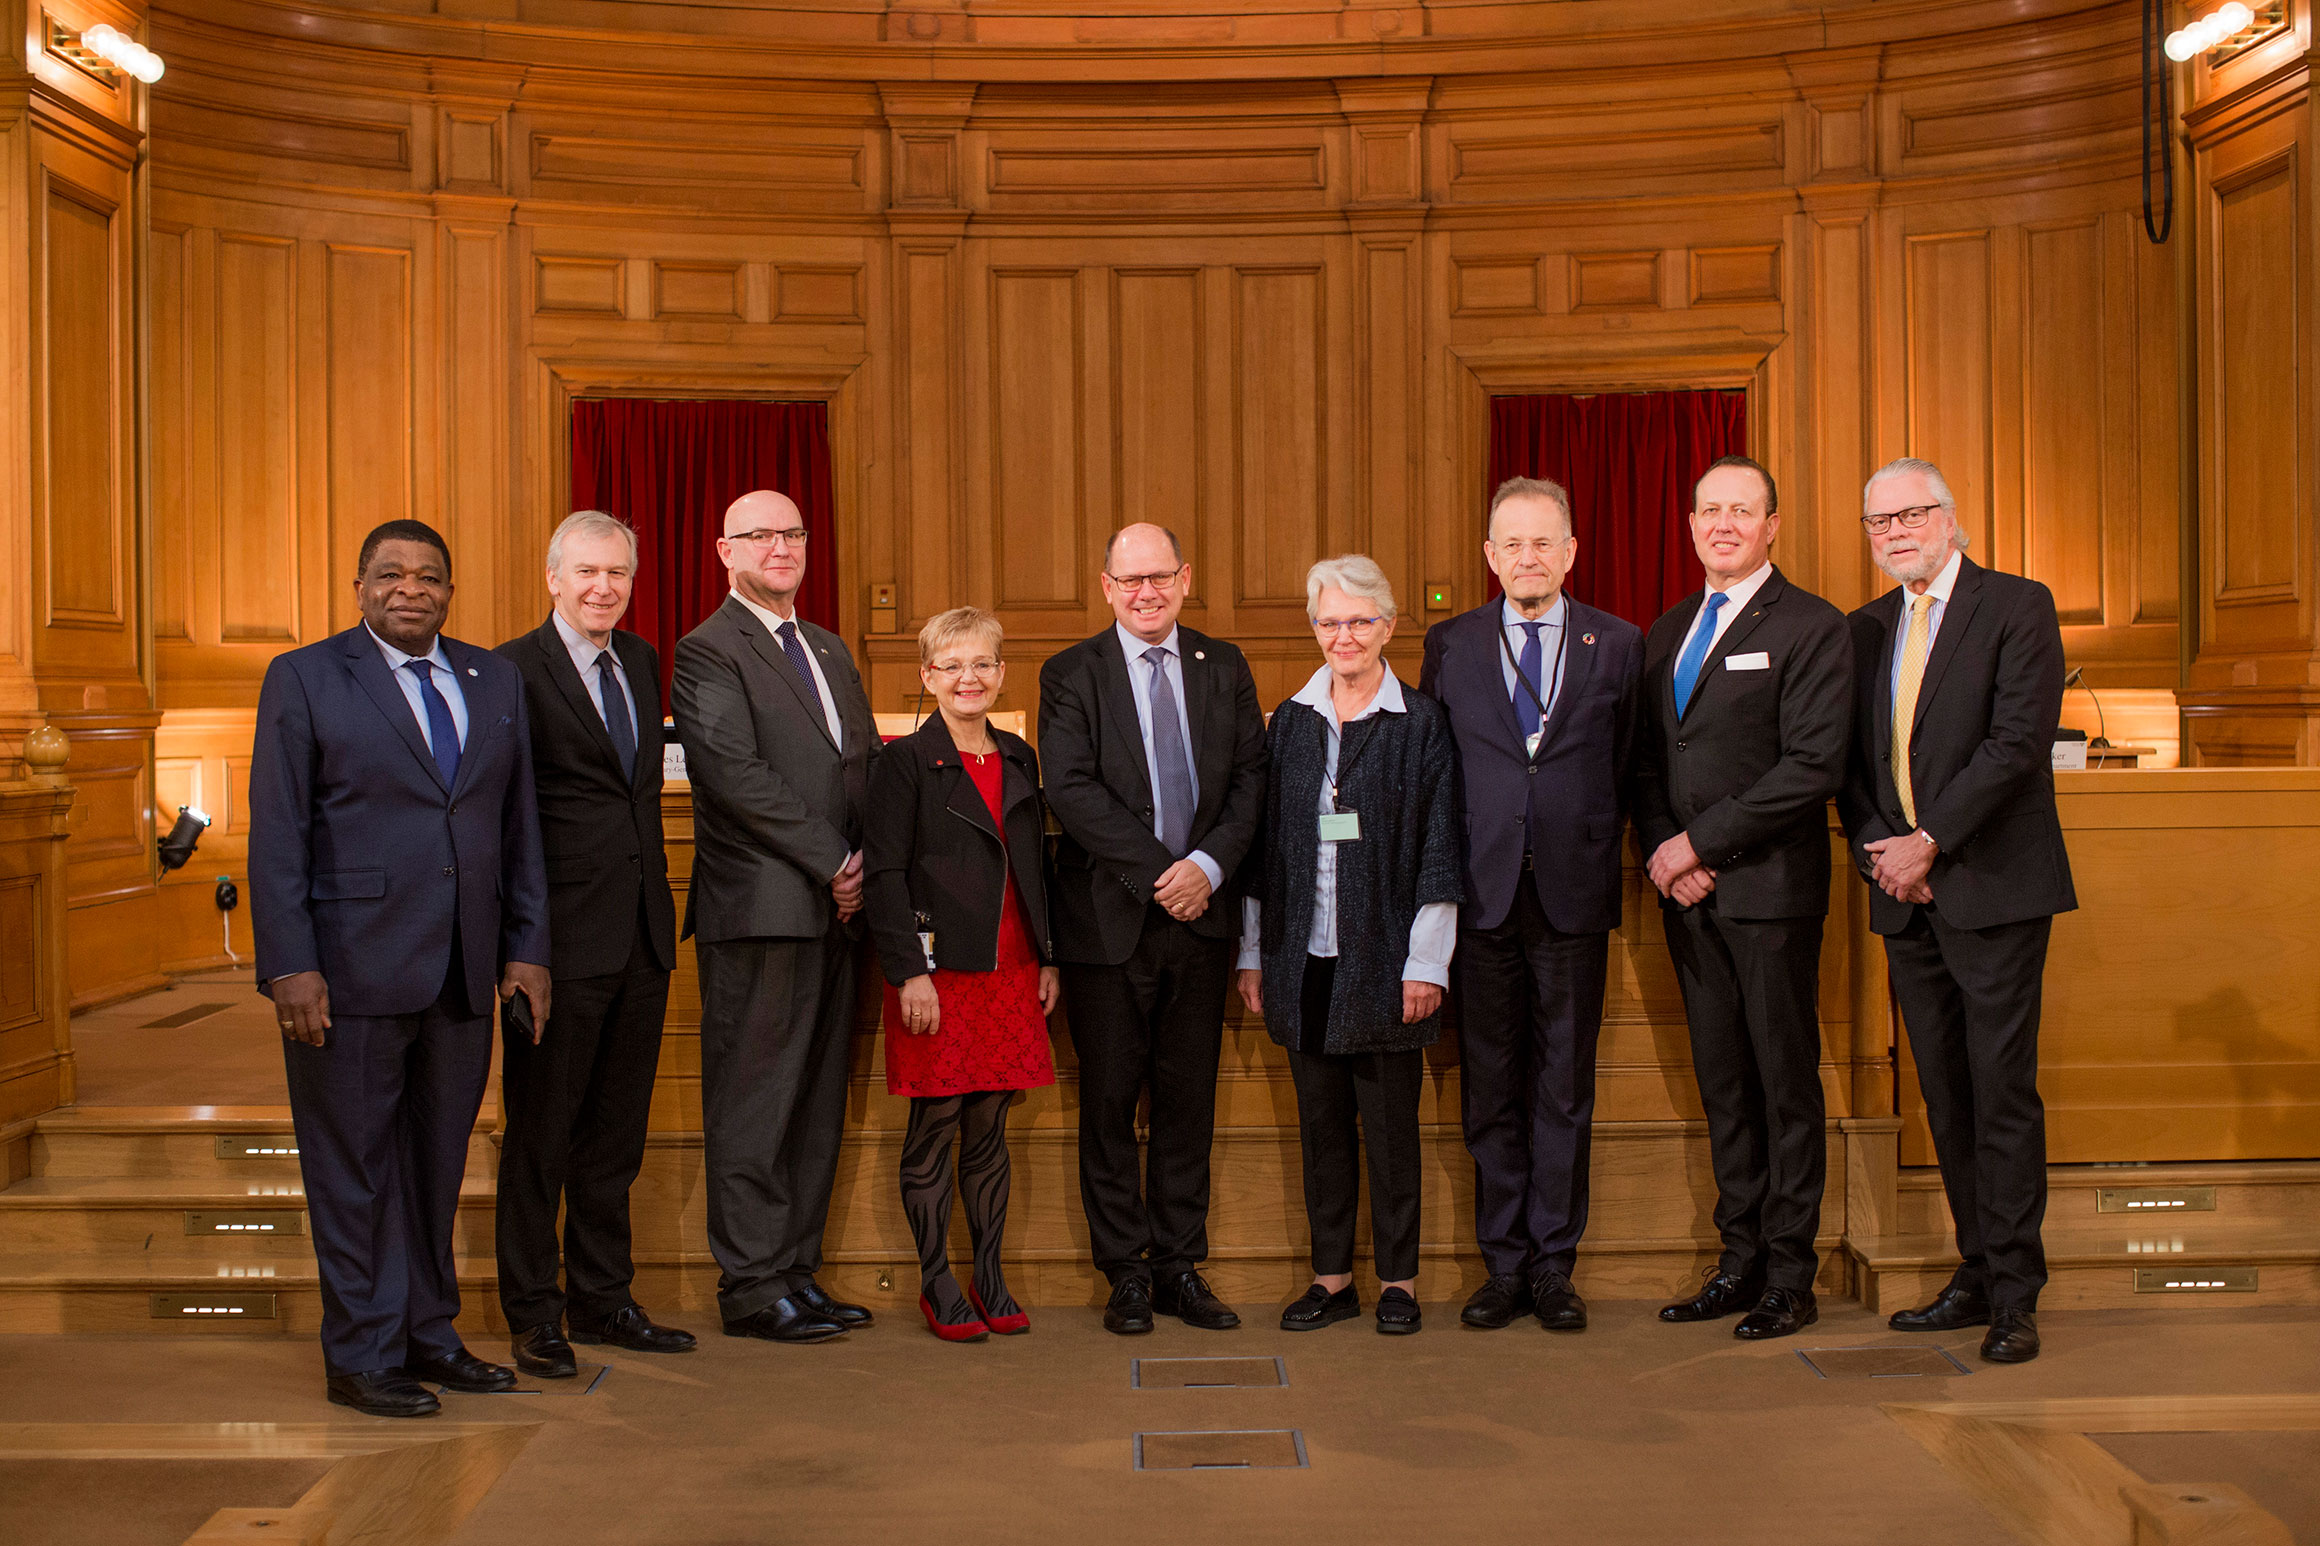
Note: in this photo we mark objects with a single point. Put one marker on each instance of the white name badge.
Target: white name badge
(1759, 660)
(1341, 827)
(1531, 742)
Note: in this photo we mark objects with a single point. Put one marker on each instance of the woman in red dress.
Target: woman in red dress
(955, 885)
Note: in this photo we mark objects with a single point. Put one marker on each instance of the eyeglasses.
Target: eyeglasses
(1913, 517)
(952, 670)
(794, 536)
(1359, 627)
(1536, 547)
(1158, 579)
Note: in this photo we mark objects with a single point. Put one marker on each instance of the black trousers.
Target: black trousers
(1381, 1089)
(1751, 996)
(575, 1110)
(383, 1110)
(1970, 1000)
(1531, 1010)
(777, 1023)
(1156, 1021)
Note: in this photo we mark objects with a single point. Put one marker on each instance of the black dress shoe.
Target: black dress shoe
(1723, 1294)
(1186, 1296)
(383, 1393)
(1128, 1312)
(851, 1316)
(1952, 1308)
(1397, 1313)
(786, 1320)
(631, 1328)
(1321, 1308)
(543, 1353)
(1557, 1304)
(1496, 1303)
(2012, 1337)
(462, 1371)
(1781, 1312)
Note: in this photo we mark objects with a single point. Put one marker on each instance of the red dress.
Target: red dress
(992, 1034)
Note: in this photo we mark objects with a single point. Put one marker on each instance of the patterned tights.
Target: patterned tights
(979, 1121)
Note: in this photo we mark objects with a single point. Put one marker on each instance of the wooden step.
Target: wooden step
(169, 1219)
(186, 1143)
(2275, 1191)
(2140, 1263)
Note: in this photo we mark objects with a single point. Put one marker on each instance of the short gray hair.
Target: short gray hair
(589, 523)
(1354, 574)
(1536, 488)
(1902, 467)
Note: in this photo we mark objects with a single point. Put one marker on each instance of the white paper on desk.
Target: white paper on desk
(1754, 660)
(2069, 756)
(673, 763)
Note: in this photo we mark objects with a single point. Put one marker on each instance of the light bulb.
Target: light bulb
(2204, 34)
(2180, 45)
(101, 38)
(149, 68)
(2235, 17)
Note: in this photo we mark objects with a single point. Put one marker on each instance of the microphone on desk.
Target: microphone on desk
(2077, 678)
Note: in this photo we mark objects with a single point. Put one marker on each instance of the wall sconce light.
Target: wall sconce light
(125, 53)
(177, 847)
(2226, 21)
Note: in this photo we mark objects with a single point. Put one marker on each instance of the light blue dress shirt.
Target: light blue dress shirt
(446, 682)
(1140, 682)
(1939, 590)
(1554, 650)
(584, 655)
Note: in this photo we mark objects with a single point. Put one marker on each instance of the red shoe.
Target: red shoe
(1005, 1325)
(970, 1331)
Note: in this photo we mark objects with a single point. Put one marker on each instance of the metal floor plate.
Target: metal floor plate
(1207, 1373)
(1881, 1363)
(1251, 1449)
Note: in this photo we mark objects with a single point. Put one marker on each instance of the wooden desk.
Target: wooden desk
(2117, 758)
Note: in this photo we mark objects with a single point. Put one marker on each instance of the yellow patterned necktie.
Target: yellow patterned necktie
(1913, 652)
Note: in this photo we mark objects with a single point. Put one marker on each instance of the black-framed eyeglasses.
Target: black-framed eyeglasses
(794, 536)
(1913, 517)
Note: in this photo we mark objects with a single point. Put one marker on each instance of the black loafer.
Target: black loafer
(1187, 1297)
(1952, 1309)
(851, 1316)
(1321, 1308)
(462, 1371)
(2012, 1337)
(1496, 1303)
(631, 1328)
(1557, 1304)
(383, 1393)
(543, 1353)
(1725, 1293)
(1397, 1313)
(1781, 1312)
(785, 1320)
(1128, 1313)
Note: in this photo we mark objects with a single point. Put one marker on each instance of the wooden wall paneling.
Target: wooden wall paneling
(1035, 506)
(36, 1068)
(1161, 429)
(1388, 417)
(2157, 472)
(370, 332)
(257, 389)
(1834, 257)
(2067, 391)
(476, 478)
(1280, 436)
(2257, 447)
(927, 280)
(170, 391)
(1947, 305)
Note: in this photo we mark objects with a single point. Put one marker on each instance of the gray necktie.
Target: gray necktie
(1175, 762)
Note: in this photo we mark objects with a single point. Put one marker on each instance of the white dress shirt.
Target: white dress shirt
(446, 682)
(1554, 649)
(1736, 598)
(773, 621)
(1943, 583)
(1433, 933)
(585, 653)
(1140, 682)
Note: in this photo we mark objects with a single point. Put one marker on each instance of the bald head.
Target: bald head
(764, 549)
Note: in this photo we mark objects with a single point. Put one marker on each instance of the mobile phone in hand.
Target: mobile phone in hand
(516, 1014)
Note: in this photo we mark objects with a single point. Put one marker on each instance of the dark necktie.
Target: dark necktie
(1695, 652)
(795, 648)
(617, 718)
(442, 734)
(1175, 763)
(1534, 669)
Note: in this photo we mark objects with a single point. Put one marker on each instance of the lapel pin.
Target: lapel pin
(1586, 638)
(1200, 654)
(471, 670)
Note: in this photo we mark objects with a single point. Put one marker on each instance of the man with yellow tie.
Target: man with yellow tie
(1949, 806)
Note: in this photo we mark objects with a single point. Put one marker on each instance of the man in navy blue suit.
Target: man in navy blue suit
(395, 878)
(1543, 695)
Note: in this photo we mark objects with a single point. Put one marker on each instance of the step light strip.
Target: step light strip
(2195, 1280)
(260, 1146)
(2154, 1199)
(212, 1307)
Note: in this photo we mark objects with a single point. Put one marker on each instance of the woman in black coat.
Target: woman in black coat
(1346, 942)
(955, 884)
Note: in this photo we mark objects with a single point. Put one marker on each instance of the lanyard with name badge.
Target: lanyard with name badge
(1562, 648)
(1343, 826)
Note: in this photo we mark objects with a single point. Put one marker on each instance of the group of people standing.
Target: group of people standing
(436, 827)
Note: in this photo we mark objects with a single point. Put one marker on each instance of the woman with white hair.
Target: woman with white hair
(1346, 940)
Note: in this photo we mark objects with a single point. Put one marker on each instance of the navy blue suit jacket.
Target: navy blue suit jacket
(360, 858)
(1572, 795)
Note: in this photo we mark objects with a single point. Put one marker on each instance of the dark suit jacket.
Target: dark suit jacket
(361, 861)
(600, 827)
(776, 807)
(1981, 762)
(930, 847)
(1573, 793)
(1100, 788)
(1749, 767)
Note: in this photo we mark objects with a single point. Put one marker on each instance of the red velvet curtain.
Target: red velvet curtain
(669, 469)
(1629, 460)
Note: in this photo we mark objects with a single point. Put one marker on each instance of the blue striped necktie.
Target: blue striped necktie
(442, 734)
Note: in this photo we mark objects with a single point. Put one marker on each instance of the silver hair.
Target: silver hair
(1902, 467)
(589, 523)
(1356, 575)
(1537, 488)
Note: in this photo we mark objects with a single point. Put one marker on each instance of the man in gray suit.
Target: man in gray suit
(778, 738)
